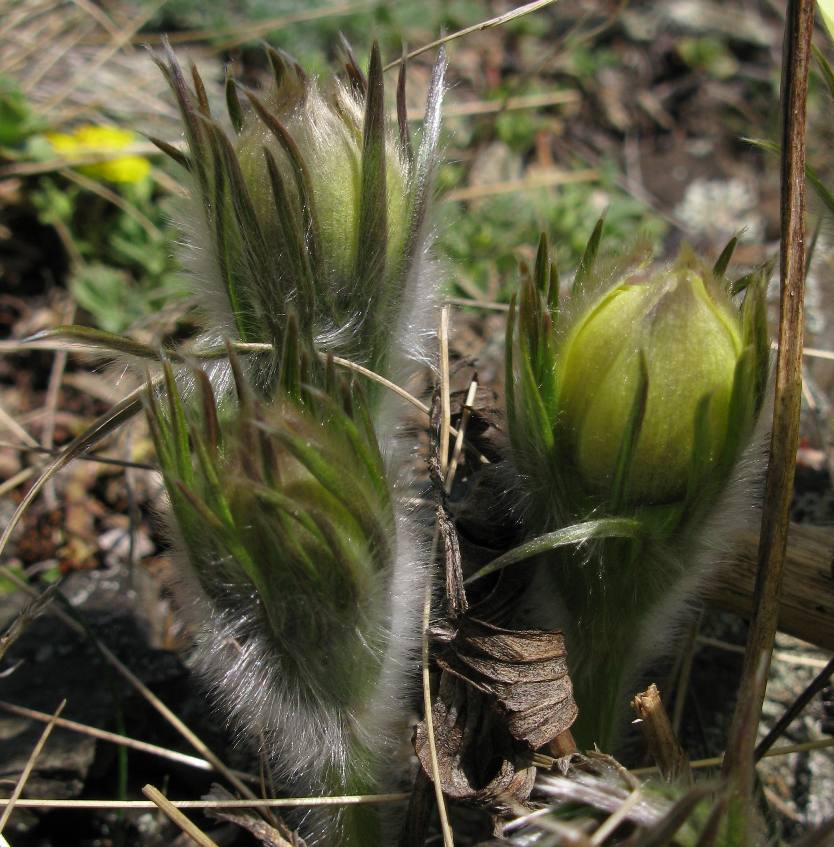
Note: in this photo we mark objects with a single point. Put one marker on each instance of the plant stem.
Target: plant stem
(785, 433)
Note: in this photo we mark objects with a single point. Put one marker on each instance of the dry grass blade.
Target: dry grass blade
(818, 683)
(18, 479)
(785, 431)
(282, 803)
(500, 20)
(30, 764)
(176, 816)
(56, 451)
(445, 398)
(816, 353)
(510, 104)
(448, 838)
(98, 16)
(123, 740)
(611, 823)
(545, 180)
(114, 46)
(786, 750)
(458, 448)
(53, 390)
(478, 304)
(9, 423)
(27, 168)
(18, 626)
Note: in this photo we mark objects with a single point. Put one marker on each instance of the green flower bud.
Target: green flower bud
(631, 412)
(690, 340)
(300, 577)
(316, 204)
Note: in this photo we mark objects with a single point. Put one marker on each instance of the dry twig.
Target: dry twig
(788, 396)
(30, 764)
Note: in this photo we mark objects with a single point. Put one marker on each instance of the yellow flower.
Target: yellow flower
(89, 140)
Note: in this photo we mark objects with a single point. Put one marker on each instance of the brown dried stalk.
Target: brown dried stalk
(785, 433)
(663, 745)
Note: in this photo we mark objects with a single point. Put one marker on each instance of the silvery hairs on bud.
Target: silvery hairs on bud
(300, 576)
(312, 202)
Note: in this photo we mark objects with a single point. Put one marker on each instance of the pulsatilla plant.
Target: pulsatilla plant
(631, 411)
(289, 539)
(310, 238)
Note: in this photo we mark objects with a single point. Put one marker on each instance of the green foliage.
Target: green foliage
(708, 54)
(482, 240)
(17, 120)
(128, 270)
(311, 41)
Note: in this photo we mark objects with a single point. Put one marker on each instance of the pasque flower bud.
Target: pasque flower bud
(631, 412)
(301, 578)
(314, 203)
(682, 336)
(308, 234)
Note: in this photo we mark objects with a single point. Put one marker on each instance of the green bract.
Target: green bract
(632, 405)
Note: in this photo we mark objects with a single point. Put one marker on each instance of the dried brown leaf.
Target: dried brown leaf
(523, 673)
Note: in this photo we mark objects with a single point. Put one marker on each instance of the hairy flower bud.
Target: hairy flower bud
(631, 412)
(309, 237)
(687, 338)
(316, 204)
(301, 577)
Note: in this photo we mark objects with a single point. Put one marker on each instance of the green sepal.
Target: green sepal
(541, 274)
(755, 332)
(703, 462)
(296, 252)
(372, 228)
(301, 176)
(233, 101)
(741, 411)
(719, 269)
(585, 270)
(181, 451)
(289, 380)
(553, 294)
(200, 91)
(171, 152)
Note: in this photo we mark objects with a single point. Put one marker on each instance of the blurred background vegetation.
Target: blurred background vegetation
(77, 89)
